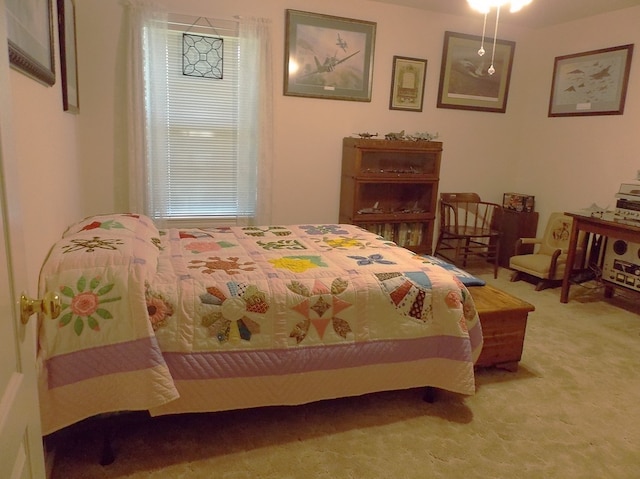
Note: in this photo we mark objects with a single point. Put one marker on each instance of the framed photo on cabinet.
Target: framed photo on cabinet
(465, 79)
(591, 83)
(30, 38)
(407, 83)
(328, 57)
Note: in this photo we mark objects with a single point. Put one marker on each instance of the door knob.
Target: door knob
(50, 305)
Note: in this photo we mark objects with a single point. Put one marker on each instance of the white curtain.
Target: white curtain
(147, 86)
(146, 79)
(255, 118)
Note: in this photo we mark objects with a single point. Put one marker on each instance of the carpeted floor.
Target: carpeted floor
(571, 411)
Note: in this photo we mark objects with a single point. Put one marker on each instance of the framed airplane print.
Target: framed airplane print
(591, 83)
(328, 57)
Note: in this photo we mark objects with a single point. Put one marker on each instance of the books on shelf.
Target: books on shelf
(403, 234)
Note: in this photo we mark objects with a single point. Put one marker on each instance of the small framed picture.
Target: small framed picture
(591, 83)
(465, 81)
(328, 57)
(407, 83)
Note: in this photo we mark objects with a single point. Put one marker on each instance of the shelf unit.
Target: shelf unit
(390, 187)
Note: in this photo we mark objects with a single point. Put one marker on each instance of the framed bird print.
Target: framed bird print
(471, 81)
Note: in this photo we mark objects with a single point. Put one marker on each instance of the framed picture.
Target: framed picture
(68, 55)
(407, 83)
(465, 82)
(328, 57)
(591, 83)
(30, 38)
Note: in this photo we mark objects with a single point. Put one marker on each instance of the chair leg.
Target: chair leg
(465, 253)
(542, 284)
(515, 276)
(438, 245)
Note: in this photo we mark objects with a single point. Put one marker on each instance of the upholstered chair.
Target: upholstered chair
(549, 258)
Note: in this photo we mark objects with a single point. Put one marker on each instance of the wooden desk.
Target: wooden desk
(605, 226)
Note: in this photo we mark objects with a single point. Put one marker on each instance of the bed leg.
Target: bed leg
(107, 456)
(429, 394)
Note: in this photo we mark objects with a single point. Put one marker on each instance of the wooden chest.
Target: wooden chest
(504, 321)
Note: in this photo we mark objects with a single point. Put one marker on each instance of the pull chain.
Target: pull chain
(484, 27)
(491, 69)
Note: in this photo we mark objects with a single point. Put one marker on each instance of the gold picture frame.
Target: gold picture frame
(591, 83)
(407, 83)
(328, 57)
(465, 83)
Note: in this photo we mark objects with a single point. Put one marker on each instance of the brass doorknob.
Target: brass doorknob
(50, 305)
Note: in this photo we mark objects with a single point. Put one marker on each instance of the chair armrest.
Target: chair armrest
(490, 204)
(530, 240)
(554, 262)
(447, 214)
(520, 242)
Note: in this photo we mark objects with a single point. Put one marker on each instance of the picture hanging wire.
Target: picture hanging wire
(202, 56)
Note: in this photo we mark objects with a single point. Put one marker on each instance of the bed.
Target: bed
(201, 320)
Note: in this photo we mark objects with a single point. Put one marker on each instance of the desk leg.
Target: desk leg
(571, 258)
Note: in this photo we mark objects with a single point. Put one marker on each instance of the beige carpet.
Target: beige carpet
(571, 411)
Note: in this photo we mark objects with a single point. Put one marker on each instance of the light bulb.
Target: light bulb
(484, 6)
(516, 5)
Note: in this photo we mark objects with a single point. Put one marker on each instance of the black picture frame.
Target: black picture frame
(328, 57)
(465, 83)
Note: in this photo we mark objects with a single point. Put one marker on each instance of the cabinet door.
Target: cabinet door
(516, 225)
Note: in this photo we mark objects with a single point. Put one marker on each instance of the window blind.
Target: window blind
(201, 167)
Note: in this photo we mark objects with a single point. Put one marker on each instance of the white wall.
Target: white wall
(72, 164)
(45, 141)
(309, 132)
(566, 163)
(569, 162)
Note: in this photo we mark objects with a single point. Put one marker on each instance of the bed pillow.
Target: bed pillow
(118, 223)
(466, 278)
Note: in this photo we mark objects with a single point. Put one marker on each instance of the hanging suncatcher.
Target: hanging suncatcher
(202, 55)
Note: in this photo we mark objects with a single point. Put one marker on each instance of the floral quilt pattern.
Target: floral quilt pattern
(258, 286)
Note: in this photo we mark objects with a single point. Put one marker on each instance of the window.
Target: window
(201, 147)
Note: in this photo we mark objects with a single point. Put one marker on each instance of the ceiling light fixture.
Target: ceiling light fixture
(485, 6)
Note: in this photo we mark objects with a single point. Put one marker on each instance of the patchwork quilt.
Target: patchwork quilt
(148, 312)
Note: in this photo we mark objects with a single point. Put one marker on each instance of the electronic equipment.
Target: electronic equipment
(621, 263)
(628, 201)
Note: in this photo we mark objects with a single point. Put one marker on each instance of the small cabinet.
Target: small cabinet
(390, 187)
(516, 225)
